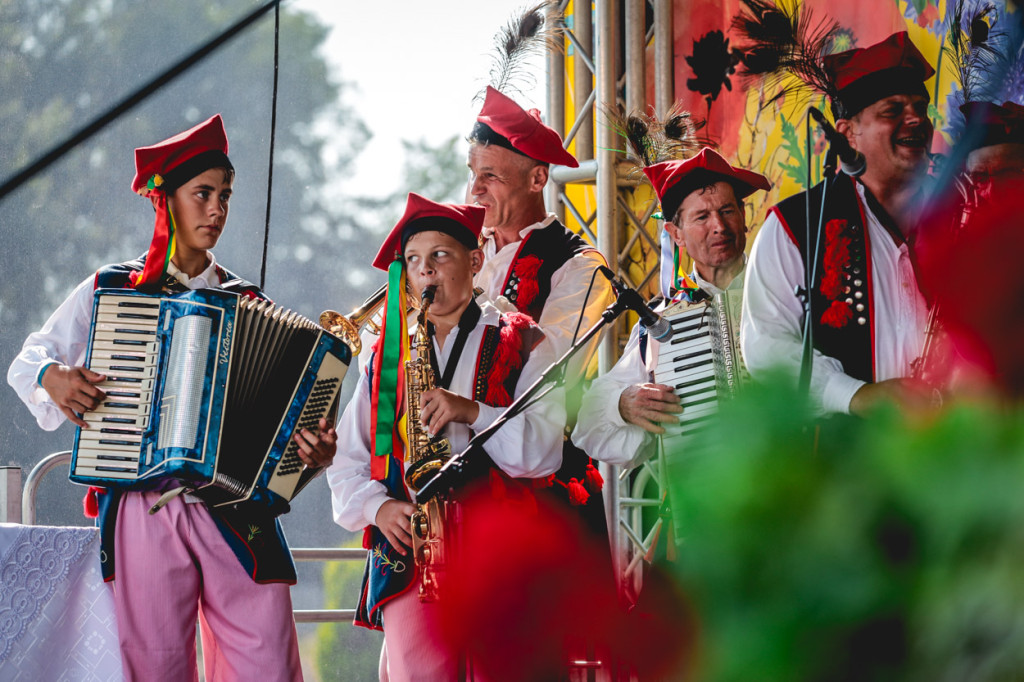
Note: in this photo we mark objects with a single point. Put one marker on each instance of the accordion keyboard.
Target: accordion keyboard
(687, 364)
(124, 350)
(287, 474)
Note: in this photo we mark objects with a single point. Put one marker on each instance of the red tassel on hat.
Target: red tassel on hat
(152, 164)
(578, 495)
(595, 482)
(161, 248)
(91, 502)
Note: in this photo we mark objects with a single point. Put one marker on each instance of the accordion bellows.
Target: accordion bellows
(204, 389)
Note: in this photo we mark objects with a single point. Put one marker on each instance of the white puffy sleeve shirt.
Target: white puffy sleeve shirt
(770, 332)
(528, 446)
(600, 429)
(562, 310)
(64, 338)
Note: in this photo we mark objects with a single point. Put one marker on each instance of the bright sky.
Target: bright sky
(417, 67)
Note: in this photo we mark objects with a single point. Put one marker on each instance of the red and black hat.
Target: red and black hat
(863, 76)
(675, 180)
(503, 122)
(999, 123)
(169, 164)
(163, 167)
(461, 221)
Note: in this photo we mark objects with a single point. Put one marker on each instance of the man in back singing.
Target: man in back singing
(868, 314)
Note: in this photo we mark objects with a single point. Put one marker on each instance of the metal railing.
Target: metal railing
(35, 477)
(326, 554)
(56, 459)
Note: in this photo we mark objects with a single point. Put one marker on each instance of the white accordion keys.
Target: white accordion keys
(700, 362)
(124, 349)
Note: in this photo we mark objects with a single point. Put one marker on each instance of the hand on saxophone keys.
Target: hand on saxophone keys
(439, 407)
(394, 519)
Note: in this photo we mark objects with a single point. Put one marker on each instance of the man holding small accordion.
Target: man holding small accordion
(177, 558)
(701, 200)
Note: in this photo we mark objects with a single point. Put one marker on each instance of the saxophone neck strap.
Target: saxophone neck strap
(467, 323)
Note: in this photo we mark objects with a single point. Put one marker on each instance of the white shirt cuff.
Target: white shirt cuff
(373, 505)
(488, 413)
(612, 414)
(43, 368)
(839, 392)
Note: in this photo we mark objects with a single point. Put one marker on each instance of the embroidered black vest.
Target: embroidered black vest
(541, 254)
(116, 276)
(843, 324)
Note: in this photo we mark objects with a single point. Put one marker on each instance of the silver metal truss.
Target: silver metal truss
(603, 79)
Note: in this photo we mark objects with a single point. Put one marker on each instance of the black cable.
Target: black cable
(273, 133)
(129, 102)
(583, 307)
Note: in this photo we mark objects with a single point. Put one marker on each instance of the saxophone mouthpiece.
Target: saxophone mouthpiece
(427, 295)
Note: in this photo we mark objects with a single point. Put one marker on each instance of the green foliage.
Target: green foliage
(438, 173)
(64, 63)
(344, 651)
(891, 551)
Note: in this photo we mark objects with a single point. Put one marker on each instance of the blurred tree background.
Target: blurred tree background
(880, 549)
(65, 62)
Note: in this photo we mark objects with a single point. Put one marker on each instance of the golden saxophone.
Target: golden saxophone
(347, 327)
(425, 457)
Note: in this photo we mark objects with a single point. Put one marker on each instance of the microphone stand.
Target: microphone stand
(465, 464)
(811, 260)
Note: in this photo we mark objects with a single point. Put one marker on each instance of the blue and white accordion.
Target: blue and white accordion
(204, 390)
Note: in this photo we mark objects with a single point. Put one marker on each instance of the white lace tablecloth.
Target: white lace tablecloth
(56, 613)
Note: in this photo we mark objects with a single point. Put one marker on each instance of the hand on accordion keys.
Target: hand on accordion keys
(73, 390)
(317, 449)
(649, 405)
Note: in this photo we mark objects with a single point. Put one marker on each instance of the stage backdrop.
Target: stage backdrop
(772, 139)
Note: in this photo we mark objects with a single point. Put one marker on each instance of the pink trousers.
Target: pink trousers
(174, 566)
(411, 649)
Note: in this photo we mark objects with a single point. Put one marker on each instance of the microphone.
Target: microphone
(657, 326)
(851, 161)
